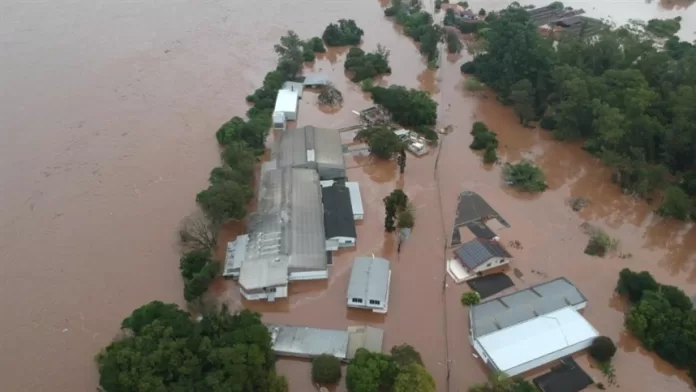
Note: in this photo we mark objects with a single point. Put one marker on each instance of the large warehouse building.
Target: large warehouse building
(530, 328)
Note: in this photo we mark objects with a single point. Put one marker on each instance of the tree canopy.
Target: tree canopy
(369, 371)
(525, 176)
(163, 349)
(225, 201)
(418, 25)
(382, 141)
(343, 33)
(409, 108)
(628, 98)
(326, 369)
(367, 65)
(414, 377)
(662, 318)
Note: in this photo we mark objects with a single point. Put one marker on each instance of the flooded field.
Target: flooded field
(108, 116)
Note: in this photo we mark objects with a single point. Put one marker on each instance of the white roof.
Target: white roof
(355, 198)
(286, 101)
(536, 338)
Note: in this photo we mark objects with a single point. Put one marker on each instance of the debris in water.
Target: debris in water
(578, 203)
(515, 244)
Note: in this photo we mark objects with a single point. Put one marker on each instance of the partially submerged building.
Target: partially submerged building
(339, 224)
(530, 328)
(306, 342)
(285, 108)
(368, 287)
(285, 239)
(313, 148)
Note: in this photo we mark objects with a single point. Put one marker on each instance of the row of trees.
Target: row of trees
(662, 318)
(630, 101)
(163, 349)
(402, 371)
(418, 25)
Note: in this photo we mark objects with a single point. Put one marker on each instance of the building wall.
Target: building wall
(358, 216)
(309, 275)
(260, 294)
(548, 358)
(365, 304)
(334, 243)
(492, 263)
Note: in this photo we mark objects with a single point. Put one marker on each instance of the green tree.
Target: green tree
(602, 349)
(405, 219)
(369, 371)
(239, 158)
(401, 160)
(382, 141)
(454, 45)
(635, 284)
(450, 19)
(326, 369)
(414, 377)
(168, 351)
(676, 204)
(225, 201)
(193, 262)
(405, 354)
(470, 298)
(228, 131)
(482, 12)
(525, 176)
(490, 155)
(408, 107)
(522, 97)
(343, 33)
(290, 52)
(664, 27)
(198, 284)
(367, 65)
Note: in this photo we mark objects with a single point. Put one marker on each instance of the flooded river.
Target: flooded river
(108, 115)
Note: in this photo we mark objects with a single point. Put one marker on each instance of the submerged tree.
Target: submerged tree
(197, 231)
(330, 96)
(401, 160)
(525, 176)
(382, 141)
(343, 33)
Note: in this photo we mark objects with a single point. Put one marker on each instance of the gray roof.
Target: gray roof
(523, 305)
(294, 86)
(369, 278)
(315, 79)
(308, 342)
(287, 230)
(478, 251)
(369, 338)
(235, 254)
(311, 147)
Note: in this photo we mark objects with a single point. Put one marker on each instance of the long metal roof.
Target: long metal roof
(478, 251)
(287, 230)
(369, 279)
(311, 147)
(500, 313)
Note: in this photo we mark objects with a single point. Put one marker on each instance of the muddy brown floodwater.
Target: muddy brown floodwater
(108, 114)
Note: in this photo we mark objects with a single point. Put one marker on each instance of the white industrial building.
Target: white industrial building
(355, 197)
(530, 328)
(285, 108)
(368, 287)
(285, 240)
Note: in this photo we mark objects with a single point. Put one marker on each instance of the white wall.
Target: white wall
(254, 295)
(358, 216)
(309, 275)
(492, 263)
(548, 358)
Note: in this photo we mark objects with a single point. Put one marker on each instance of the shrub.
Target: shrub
(634, 284)
(468, 68)
(602, 349)
(548, 122)
(600, 243)
(405, 355)
(525, 176)
(367, 65)
(483, 137)
(490, 155)
(470, 298)
(326, 369)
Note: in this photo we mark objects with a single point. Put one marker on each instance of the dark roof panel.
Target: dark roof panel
(480, 230)
(477, 252)
(338, 212)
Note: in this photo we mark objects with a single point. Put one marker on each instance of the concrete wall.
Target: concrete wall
(255, 295)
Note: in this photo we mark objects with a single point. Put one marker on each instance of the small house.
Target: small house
(339, 224)
(480, 255)
(368, 287)
(285, 108)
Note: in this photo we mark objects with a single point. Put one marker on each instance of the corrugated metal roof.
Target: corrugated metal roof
(326, 143)
(286, 231)
(366, 337)
(355, 198)
(294, 86)
(308, 342)
(315, 79)
(523, 305)
(478, 251)
(369, 279)
(286, 101)
(338, 212)
(235, 254)
(541, 337)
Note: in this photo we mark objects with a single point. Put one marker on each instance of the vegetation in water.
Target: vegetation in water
(454, 45)
(364, 66)
(418, 25)
(662, 318)
(484, 138)
(198, 269)
(382, 141)
(398, 211)
(600, 243)
(329, 95)
(490, 155)
(470, 298)
(676, 204)
(164, 349)
(602, 349)
(525, 176)
(499, 382)
(609, 89)
(473, 85)
(409, 108)
(664, 27)
(402, 371)
(345, 32)
(326, 369)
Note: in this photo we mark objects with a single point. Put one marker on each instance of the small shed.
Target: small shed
(368, 288)
(285, 106)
